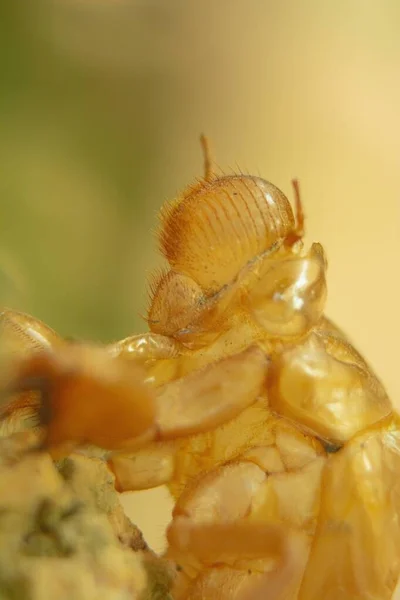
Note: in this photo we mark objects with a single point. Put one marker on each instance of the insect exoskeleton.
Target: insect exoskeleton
(274, 436)
(285, 293)
(325, 385)
(220, 238)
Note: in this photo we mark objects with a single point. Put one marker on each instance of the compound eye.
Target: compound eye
(176, 302)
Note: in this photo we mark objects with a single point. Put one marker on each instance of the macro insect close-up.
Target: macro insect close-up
(277, 441)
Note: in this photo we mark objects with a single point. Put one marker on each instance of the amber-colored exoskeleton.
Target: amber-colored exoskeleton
(273, 434)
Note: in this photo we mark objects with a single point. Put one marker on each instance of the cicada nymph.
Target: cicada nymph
(273, 434)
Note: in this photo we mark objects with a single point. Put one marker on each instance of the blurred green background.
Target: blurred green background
(101, 106)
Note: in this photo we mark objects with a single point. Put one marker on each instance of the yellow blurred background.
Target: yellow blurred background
(101, 106)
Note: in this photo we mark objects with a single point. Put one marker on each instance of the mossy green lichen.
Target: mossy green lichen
(64, 534)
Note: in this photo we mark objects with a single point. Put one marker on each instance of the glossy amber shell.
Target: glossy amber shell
(273, 434)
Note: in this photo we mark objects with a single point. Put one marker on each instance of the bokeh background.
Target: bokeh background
(101, 106)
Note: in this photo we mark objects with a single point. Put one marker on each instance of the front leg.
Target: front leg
(221, 552)
(197, 403)
(270, 562)
(21, 336)
(96, 399)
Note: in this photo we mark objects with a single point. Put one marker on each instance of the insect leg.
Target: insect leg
(224, 554)
(193, 404)
(209, 397)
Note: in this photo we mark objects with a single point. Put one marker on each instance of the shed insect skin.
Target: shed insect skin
(273, 434)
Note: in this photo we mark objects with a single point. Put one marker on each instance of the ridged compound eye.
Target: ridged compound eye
(212, 232)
